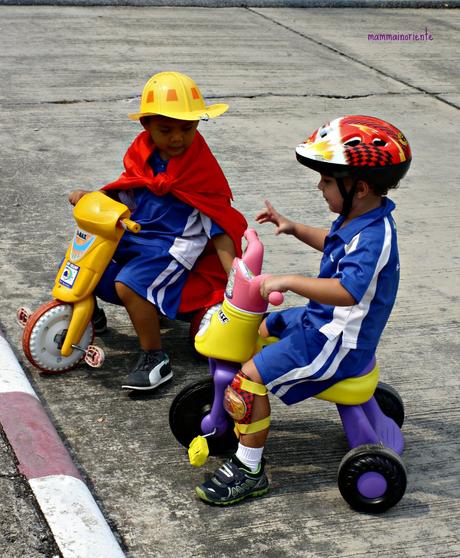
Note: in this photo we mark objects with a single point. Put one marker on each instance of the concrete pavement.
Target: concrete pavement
(69, 76)
(245, 3)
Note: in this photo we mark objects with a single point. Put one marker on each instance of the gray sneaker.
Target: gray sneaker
(151, 370)
(233, 482)
(99, 321)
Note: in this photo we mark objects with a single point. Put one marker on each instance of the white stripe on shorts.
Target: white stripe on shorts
(162, 291)
(171, 273)
(308, 370)
(328, 373)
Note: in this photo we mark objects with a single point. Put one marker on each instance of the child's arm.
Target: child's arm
(312, 236)
(225, 250)
(322, 290)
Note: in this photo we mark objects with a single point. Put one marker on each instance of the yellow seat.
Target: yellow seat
(352, 391)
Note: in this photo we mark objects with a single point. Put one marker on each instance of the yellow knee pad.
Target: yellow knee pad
(239, 400)
(253, 427)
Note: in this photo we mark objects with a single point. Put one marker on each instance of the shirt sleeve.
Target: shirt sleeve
(364, 258)
(210, 228)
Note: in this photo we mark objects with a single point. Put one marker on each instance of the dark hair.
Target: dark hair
(382, 190)
(144, 120)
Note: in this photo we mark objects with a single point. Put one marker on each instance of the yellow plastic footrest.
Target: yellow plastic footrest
(198, 451)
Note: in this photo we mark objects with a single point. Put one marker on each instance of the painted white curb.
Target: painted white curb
(77, 523)
(78, 526)
(12, 377)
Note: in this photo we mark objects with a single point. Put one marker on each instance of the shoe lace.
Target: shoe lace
(147, 359)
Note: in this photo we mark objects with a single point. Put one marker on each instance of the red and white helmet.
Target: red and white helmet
(361, 147)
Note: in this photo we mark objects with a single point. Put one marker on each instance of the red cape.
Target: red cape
(195, 178)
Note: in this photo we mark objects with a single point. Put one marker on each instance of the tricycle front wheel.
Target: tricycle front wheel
(43, 336)
(188, 409)
(372, 478)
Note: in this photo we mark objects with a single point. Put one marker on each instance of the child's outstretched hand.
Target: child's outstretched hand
(272, 283)
(270, 215)
(76, 195)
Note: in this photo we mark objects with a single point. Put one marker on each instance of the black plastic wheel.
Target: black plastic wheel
(390, 402)
(187, 411)
(367, 459)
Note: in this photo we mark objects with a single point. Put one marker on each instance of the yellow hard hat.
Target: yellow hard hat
(175, 95)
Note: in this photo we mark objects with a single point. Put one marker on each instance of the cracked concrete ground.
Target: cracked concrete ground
(69, 77)
(23, 530)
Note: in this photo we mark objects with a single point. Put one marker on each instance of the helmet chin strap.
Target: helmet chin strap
(346, 195)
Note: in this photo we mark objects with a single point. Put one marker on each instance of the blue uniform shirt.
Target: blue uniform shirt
(168, 220)
(363, 255)
(154, 263)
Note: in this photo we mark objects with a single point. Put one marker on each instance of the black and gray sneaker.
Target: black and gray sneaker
(233, 482)
(151, 370)
(99, 320)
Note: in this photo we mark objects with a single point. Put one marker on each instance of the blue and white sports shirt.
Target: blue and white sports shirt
(169, 220)
(364, 256)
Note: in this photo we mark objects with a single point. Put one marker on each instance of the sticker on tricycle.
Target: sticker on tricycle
(223, 317)
(81, 243)
(69, 275)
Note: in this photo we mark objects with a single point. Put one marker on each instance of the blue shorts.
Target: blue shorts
(304, 362)
(150, 271)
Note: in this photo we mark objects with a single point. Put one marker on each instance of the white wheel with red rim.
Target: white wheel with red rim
(44, 333)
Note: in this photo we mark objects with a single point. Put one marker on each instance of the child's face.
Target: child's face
(172, 137)
(331, 193)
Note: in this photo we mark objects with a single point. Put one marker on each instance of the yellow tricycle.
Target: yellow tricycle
(59, 334)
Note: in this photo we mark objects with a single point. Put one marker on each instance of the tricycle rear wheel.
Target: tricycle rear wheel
(390, 402)
(188, 409)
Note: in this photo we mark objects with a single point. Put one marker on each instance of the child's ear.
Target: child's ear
(362, 189)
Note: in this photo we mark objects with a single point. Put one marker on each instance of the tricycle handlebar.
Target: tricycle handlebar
(130, 225)
(276, 298)
(254, 253)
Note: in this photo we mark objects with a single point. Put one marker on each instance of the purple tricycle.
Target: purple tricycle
(371, 476)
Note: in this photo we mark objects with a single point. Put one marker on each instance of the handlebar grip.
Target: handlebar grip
(130, 225)
(275, 298)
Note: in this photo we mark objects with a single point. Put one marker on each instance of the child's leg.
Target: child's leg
(153, 367)
(144, 317)
(251, 446)
(243, 474)
(260, 410)
(263, 331)
(150, 282)
(247, 402)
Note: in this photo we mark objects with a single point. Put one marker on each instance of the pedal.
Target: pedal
(94, 356)
(22, 315)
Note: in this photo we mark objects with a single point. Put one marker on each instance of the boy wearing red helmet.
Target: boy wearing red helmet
(336, 334)
(178, 263)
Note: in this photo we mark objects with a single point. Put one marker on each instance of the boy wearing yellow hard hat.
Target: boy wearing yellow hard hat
(177, 265)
